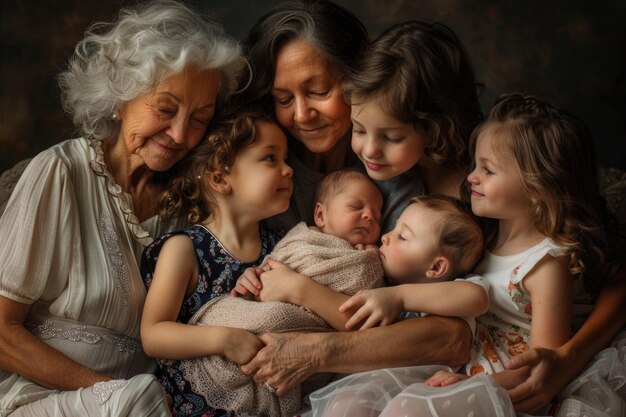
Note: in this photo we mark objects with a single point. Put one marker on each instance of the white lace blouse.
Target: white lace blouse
(70, 248)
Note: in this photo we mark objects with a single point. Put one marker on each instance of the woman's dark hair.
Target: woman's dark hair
(335, 31)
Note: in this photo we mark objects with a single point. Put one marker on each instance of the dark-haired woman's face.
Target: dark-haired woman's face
(308, 98)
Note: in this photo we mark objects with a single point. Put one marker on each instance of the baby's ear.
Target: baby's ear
(219, 183)
(439, 268)
(319, 215)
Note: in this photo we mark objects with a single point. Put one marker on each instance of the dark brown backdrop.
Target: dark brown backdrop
(570, 52)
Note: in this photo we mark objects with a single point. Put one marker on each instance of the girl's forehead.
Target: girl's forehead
(497, 138)
(379, 102)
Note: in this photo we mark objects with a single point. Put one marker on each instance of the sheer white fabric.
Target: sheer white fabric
(599, 391)
(401, 392)
(70, 248)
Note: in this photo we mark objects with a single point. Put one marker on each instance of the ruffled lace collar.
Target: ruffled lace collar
(98, 166)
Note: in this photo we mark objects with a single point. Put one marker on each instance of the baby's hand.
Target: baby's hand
(240, 346)
(281, 283)
(445, 378)
(360, 246)
(380, 306)
(248, 285)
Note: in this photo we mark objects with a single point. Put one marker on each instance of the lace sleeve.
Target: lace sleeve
(613, 189)
(8, 179)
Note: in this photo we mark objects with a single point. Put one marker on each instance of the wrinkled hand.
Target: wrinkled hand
(240, 346)
(444, 378)
(380, 306)
(280, 283)
(286, 360)
(249, 284)
(545, 382)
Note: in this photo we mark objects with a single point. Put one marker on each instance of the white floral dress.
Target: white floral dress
(504, 331)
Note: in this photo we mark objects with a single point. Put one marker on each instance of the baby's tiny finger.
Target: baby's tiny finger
(370, 322)
(348, 304)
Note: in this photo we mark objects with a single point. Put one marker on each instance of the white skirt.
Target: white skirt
(599, 391)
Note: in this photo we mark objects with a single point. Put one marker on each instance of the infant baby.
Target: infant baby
(347, 215)
(435, 239)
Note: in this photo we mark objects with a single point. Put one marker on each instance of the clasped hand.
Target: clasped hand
(379, 306)
(272, 281)
(280, 364)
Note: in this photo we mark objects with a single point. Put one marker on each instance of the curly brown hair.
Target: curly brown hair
(188, 192)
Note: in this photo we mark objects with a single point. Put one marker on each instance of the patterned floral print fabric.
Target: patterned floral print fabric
(218, 273)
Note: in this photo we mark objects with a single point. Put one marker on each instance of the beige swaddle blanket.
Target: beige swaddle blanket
(329, 260)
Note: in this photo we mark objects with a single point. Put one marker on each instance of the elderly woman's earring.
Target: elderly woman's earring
(115, 117)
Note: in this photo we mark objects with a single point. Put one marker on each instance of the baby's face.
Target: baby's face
(409, 249)
(354, 213)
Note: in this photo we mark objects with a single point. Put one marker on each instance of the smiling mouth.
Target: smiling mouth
(373, 166)
(477, 194)
(165, 148)
(310, 130)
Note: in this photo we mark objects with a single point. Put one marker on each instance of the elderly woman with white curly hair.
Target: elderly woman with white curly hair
(142, 91)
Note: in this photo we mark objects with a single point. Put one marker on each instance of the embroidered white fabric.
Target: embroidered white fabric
(103, 390)
(73, 256)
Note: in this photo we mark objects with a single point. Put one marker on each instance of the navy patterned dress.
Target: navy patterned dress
(218, 273)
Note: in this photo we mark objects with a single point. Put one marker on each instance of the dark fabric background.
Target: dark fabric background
(572, 53)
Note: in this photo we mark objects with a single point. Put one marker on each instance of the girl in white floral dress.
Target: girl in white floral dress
(548, 248)
(535, 175)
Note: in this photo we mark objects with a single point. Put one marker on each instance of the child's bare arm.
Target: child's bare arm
(162, 336)
(552, 369)
(458, 298)
(550, 286)
(551, 292)
(382, 306)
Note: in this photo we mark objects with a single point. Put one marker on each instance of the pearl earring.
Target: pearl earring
(114, 117)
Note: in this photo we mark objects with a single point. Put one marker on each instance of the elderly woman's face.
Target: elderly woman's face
(308, 99)
(160, 127)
